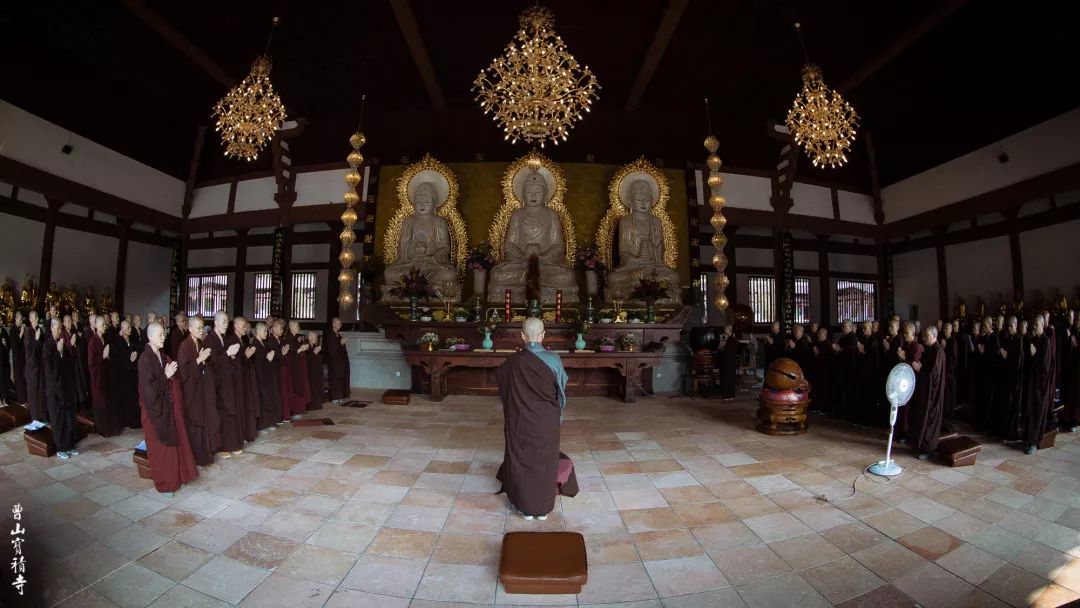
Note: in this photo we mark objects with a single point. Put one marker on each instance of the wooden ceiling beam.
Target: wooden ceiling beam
(901, 43)
(158, 23)
(18, 208)
(411, 31)
(664, 30)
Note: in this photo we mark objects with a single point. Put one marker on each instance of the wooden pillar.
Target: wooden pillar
(181, 271)
(1014, 251)
(241, 272)
(942, 278)
(882, 303)
(121, 265)
(45, 274)
(286, 274)
(824, 281)
(333, 309)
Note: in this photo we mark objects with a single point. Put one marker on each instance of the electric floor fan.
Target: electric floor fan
(898, 389)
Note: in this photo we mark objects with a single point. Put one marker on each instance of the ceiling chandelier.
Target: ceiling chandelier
(820, 120)
(536, 90)
(250, 114)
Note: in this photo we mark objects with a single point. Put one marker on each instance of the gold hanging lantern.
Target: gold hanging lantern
(718, 221)
(820, 120)
(250, 113)
(536, 90)
(349, 216)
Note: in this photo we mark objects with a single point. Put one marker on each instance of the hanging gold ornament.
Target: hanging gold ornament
(536, 90)
(349, 216)
(820, 120)
(346, 299)
(718, 221)
(354, 159)
(346, 258)
(251, 112)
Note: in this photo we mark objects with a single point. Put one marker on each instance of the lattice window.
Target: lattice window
(763, 299)
(207, 294)
(855, 300)
(303, 295)
(802, 300)
(261, 309)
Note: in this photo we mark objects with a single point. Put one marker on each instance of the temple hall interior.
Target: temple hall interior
(655, 304)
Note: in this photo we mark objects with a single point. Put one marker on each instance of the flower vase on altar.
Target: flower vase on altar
(650, 312)
(579, 344)
(488, 344)
(414, 312)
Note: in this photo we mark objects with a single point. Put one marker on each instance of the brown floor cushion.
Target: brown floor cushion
(543, 562)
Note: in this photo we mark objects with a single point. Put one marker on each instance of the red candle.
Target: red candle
(506, 300)
(558, 306)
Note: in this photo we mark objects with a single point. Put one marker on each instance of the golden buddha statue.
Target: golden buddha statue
(106, 301)
(7, 301)
(961, 308)
(28, 295)
(68, 300)
(89, 304)
(52, 297)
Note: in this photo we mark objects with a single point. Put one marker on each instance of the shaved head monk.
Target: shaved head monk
(532, 385)
(168, 448)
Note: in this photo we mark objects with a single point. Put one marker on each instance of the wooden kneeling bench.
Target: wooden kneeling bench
(40, 442)
(142, 462)
(14, 415)
(958, 450)
(396, 396)
(543, 562)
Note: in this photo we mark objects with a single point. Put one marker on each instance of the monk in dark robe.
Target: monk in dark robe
(802, 352)
(729, 363)
(1051, 333)
(1004, 415)
(868, 380)
(950, 342)
(986, 373)
(910, 351)
(161, 398)
(1038, 390)
(244, 379)
(124, 354)
(297, 363)
(845, 366)
(337, 362)
(927, 405)
(532, 386)
(138, 335)
(18, 357)
(1070, 369)
(33, 339)
(227, 375)
(824, 353)
(5, 367)
(106, 411)
(58, 364)
(267, 368)
(965, 348)
(199, 392)
(82, 370)
(281, 347)
(775, 345)
(177, 335)
(314, 362)
(112, 329)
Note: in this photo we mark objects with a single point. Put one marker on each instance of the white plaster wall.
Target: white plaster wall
(263, 254)
(915, 283)
(806, 260)
(1051, 259)
(302, 254)
(210, 200)
(37, 142)
(20, 247)
(847, 262)
(146, 282)
(746, 191)
(856, 207)
(1040, 149)
(84, 259)
(320, 187)
(203, 258)
(255, 194)
(979, 269)
(811, 200)
(753, 257)
(34, 198)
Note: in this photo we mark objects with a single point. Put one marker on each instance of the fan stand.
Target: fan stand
(888, 467)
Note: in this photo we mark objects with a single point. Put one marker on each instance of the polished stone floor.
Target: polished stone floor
(682, 505)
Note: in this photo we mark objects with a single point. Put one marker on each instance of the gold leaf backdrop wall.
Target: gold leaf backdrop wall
(586, 199)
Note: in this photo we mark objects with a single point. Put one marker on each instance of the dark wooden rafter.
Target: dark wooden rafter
(783, 179)
(942, 272)
(875, 183)
(178, 40)
(410, 30)
(664, 30)
(765, 242)
(120, 283)
(835, 203)
(284, 174)
(809, 223)
(47, 241)
(18, 208)
(825, 284)
(241, 271)
(1015, 254)
(193, 171)
(231, 205)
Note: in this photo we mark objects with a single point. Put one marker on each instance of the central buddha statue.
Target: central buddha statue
(641, 244)
(424, 242)
(534, 229)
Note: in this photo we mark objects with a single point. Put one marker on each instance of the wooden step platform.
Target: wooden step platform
(396, 396)
(543, 563)
(142, 462)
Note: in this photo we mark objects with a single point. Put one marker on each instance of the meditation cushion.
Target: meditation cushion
(958, 451)
(543, 563)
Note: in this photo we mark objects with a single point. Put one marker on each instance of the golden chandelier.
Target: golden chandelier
(250, 114)
(536, 90)
(820, 120)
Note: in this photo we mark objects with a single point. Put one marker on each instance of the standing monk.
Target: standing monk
(5, 366)
(1038, 389)
(846, 362)
(197, 385)
(18, 357)
(986, 376)
(337, 362)
(868, 377)
(951, 344)
(58, 361)
(243, 382)
(267, 369)
(124, 353)
(775, 344)
(1005, 408)
(314, 363)
(910, 352)
(301, 393)
(532, 386)
(168, 448)
(928, 404)
(177, 335)
(1071, 370)
(281, 347)
(729, 364)
(106, 418)
(82, 358)
(33, 338)
(227, 377)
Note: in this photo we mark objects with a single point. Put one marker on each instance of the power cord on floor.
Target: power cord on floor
(866, 473)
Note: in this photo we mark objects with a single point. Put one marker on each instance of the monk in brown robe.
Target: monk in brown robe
(1004, 415)
(106, 418)
(802, 352)
(124, 354)
(986, 373)
(177, 334)
(297, 364)
(1038, 387)
(161, 400)
(910, 352)
(729, 364)
(821, 392)
(282, 348)
(337, 362)
(199, 391)
(58, 366)
(18, 356)
(868, 381)
(244, 381)
(951, 343)
(314, 361)
(226, 377)
(5, 366)
(927, 405)
(33, 339)
(267, 368)
(532, 386)
(1070, 369)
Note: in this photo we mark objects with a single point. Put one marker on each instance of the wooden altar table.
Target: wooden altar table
(473, 373)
